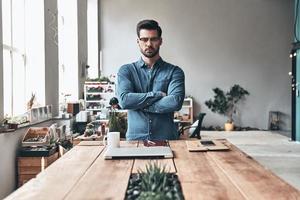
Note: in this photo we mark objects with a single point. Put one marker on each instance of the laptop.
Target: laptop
(139, 152)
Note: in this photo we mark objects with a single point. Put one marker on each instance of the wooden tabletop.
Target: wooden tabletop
(82, 173)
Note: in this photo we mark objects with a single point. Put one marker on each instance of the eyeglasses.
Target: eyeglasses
(154, 39)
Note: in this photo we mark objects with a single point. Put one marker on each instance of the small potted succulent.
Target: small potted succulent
(226, 103)
(154, 183)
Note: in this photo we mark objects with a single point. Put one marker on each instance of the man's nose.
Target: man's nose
(148, 42)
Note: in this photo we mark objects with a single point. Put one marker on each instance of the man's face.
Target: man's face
(149, 42)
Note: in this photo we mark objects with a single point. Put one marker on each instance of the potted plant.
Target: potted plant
(118, 122)
(154, 183)
(226, 103)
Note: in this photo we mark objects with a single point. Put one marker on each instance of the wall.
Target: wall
(1, 66)
(10, 143)
(82, 44)
(51, 56)
(217, 43)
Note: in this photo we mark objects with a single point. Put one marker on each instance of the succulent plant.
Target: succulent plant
(154, 183)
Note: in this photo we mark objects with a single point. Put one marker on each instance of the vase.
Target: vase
(229, 126)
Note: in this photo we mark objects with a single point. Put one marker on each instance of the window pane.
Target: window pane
(35, 50)
(7, 84)
(92, 25)
(68, 48)
(6, 22)
(18, 24)
(19, 101)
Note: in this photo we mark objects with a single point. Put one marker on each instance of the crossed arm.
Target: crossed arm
(154, 101)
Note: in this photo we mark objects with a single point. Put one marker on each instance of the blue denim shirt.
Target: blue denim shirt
(139, 90)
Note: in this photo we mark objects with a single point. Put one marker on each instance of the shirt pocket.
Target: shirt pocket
(161, 85)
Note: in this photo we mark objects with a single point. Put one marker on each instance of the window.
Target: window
(68, 50)
(92, 26)
(23, 54)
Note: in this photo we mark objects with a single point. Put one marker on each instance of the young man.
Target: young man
(150, 89)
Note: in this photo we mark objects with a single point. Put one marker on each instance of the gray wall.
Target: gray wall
(82, 44)
(1, 66)
(51, 58)
(217, 43)
(10, 143)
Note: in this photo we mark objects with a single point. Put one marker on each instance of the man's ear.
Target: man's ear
(137, 40)
(161, 41)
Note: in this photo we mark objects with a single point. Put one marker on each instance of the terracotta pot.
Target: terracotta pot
(229, 126)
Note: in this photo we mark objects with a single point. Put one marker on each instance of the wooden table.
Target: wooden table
(82, 173)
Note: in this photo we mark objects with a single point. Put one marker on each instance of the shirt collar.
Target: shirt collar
(141, 63)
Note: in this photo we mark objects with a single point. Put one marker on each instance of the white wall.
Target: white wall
(217, 43)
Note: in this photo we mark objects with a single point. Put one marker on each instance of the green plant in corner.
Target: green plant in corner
(226, 103)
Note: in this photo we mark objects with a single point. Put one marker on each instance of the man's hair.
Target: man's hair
(148, 24)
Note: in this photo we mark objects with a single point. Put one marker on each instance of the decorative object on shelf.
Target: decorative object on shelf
(226, 103)
(89, 130)
(101, 79)
(31, 101)
(63, 105)
(154, 183)
(185, 114)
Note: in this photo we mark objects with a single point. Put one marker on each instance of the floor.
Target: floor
(274, 150)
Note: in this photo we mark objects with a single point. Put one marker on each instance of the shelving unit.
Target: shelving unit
(97, 95)
(186, 113)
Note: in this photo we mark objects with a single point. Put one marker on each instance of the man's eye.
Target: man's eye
(154, 39)
(144, 39)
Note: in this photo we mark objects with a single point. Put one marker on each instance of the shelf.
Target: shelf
(187, 106)
(110, 93)
(186, 111)
(96, 101)
(102, 97)
(93, 109)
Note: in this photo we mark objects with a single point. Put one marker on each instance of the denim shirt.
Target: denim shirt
(139, 90)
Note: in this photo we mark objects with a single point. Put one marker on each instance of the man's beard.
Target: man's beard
(150, 54)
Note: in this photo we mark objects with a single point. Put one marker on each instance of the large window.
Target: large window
(23, 54)
(68, 50)
(92, 26)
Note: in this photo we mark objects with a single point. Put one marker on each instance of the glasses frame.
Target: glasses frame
(152, 39)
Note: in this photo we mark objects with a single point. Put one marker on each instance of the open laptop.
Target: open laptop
(139, 152)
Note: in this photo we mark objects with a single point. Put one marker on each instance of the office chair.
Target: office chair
(196, 132)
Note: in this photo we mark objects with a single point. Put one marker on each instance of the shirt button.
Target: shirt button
(150, 121)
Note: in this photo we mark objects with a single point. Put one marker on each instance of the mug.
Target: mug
(113, 140)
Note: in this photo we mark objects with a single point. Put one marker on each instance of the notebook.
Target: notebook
(139, 152)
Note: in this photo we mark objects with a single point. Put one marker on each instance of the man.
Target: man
(150, 89)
